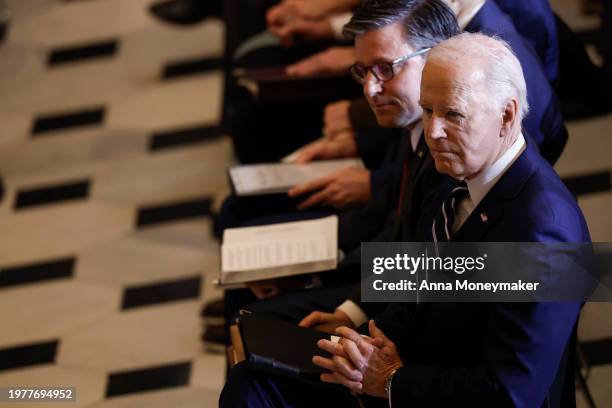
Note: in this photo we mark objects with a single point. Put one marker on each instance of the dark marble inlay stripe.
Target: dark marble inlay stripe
(598, 352)
(77, 53)
(43, 271)
(161, 293)
(191, 67)
(184, 136)
(52, 194)
(172, 212)
(53, 122)
(148, 379)
(28, 355)
(589, 183)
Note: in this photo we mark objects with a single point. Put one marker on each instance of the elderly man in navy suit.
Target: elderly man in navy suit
(473, 96)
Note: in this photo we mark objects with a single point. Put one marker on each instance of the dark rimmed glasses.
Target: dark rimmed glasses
(383, 71)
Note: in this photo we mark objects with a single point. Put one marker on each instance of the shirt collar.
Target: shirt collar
(467, 15)
(480, 185)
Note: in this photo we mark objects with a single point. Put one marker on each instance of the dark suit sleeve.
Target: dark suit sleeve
(361, 116)
(385, 177)
(523, 346)
(377, 145)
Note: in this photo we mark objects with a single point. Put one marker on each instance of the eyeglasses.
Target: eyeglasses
(383, 71)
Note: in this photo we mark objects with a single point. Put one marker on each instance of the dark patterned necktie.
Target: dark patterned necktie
(442, 227)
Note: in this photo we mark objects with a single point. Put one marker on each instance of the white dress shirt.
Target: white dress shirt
(478, 187)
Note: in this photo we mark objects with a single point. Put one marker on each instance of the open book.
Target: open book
(277, 250)
(259, 179)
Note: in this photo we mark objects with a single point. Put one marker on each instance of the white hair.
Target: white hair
(503, 74)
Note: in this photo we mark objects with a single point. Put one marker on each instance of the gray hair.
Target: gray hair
(425, 22)
(502, 70)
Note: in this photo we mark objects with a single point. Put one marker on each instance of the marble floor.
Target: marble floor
(112, 168)
(106, 254)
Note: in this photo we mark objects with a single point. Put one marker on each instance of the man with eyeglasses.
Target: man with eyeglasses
(390, 51)
(545, 123)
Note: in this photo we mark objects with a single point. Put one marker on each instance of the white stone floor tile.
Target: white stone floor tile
(175, 174)
(131, 261)
(595, 323)
(88, 21)
(208, 371)
(60, 230)
(596, 208)
(64, 151)
(188, 234)
(138, 65)
(170, 104)
(588, 148)
(185, 397)
(570, 12)
(141, 337)
(89, 385)
(44, 311)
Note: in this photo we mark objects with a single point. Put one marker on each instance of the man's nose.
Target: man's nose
(436, 128)
(371, 85)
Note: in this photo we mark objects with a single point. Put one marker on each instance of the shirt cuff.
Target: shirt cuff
(354, 312)
(337, 22)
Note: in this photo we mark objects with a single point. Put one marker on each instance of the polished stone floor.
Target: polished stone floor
(106, 254)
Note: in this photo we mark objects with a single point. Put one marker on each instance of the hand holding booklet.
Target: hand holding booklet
(259, 179)
(278, 250)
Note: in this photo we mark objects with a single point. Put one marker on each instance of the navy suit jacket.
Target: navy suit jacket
(544, 123)
(535, 20)
(493, 354)
(365, 223)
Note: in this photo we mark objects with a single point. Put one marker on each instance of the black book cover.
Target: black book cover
(278, 347)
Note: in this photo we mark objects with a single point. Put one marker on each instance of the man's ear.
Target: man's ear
(509, 117)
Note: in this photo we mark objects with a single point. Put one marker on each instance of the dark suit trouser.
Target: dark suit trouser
(267, 131)
(247, 388)
(261, 210)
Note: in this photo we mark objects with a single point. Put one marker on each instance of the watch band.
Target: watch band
(388, 383)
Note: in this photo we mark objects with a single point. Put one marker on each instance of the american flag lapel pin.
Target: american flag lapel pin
(483, 217)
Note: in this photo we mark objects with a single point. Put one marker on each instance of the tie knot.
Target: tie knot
(443, 223)
(457, 194)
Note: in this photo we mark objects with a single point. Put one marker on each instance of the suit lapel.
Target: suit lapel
(490, 209)
(419, 163)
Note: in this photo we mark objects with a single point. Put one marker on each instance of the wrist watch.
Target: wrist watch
(388, 383)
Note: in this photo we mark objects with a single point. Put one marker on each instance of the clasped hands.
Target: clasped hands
(360, 363)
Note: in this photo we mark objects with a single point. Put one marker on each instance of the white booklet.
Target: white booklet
(259, 179)
(273, 251)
